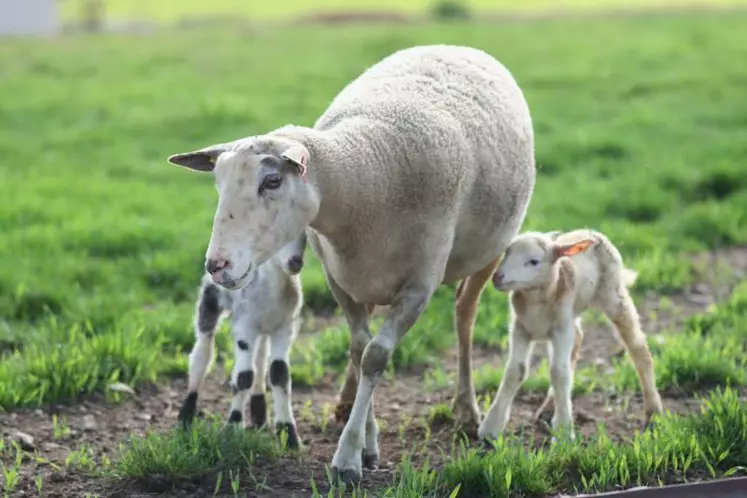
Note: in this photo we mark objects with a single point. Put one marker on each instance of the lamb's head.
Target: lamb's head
(530, 259)
(264, 203)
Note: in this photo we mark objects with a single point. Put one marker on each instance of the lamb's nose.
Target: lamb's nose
(295, 264)
(213, 266)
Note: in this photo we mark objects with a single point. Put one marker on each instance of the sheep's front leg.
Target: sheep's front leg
(280, 380)
(408, 305)
(357, 318)
(245, 340)
(561, 375)
(519, 350)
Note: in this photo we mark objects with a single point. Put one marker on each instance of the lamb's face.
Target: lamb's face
(264, 205)
(526, 264)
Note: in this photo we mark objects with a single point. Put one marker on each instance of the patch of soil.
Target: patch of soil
(402, 407)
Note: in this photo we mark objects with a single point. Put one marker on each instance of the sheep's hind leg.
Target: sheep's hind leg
(464, 405)
(207, 317)
(357, 437)
(544, 412)
(622, 312)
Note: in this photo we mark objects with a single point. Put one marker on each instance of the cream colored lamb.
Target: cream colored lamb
(552, 278)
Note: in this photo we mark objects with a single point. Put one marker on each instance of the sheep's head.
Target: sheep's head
(529, 260)
(264, 204)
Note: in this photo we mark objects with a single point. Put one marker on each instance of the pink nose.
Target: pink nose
(213, 266)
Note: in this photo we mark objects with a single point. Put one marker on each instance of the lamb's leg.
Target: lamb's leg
(561, 376)
(621, 310)
(207, 317)
(280, 380)
(258, 401)
(519, 351)
(468, 295)
(357, 437)
(242, 377)
(547, 407)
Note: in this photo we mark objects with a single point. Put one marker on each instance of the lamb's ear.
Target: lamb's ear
(575, 248)
(199, 160)
(298, 155)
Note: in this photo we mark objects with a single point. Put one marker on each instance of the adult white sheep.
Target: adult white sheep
(266, 309)
(552, 279)
(418, 173)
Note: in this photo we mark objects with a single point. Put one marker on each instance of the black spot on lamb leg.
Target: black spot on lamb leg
(279, 374)
(258, 410)
(208, 309)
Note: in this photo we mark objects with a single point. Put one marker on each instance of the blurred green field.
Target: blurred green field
(641, 132)
(164, 10)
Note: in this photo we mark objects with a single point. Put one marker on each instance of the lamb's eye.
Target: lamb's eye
(534, 262)
(271, 182)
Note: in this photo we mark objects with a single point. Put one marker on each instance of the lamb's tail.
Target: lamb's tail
(629, 277)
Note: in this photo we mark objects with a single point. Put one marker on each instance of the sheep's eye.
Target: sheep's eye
(271, 182)
(534, 262)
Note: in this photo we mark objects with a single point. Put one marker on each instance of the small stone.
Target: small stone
(26, 441)
(51, 446)
(121, 388)
(144, 416)
(89, 423)
(38, 412)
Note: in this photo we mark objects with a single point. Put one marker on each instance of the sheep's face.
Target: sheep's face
(264, 205)
(530, 259)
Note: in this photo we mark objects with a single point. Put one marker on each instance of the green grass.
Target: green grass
(711, 443)
(639, 136)
(169, 10)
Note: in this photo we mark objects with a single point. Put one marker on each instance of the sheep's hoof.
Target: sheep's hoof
(649, 424)
(346, 476)
(292, 442)
(370, 461)
(342, 412)
(467, 429)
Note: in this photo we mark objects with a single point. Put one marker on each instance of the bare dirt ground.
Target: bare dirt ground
(402, 406)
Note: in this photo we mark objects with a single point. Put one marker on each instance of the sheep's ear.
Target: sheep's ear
(572, 249)
(298, 155)
(199, 160)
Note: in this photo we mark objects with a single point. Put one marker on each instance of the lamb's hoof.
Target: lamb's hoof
(348, 477)
(342, 412)
(188, 410)
(487, 445)
(370, 461)
(235, 417)
(292, 441)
